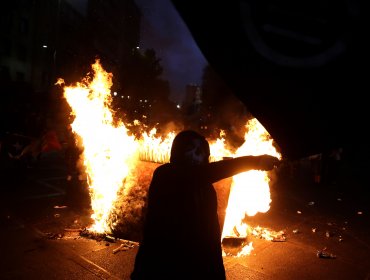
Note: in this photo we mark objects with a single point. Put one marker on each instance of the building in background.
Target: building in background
(42, 40)
(193, 109)
(36, 39)
(114, 27)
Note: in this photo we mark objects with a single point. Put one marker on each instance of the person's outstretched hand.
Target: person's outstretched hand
(267, 162)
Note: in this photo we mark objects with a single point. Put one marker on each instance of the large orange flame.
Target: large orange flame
(250, 192)
(108, 150)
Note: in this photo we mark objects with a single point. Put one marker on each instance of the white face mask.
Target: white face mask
(196, 155)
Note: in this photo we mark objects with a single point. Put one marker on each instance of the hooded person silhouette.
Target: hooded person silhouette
(181, 233)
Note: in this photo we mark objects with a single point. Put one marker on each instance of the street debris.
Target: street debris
(346, 223)
(314, 230)
(110, 238)
(73, 229)
(126, 245)
(60, 207)
(263, 233)
(323, 254)
(295, 231)
(278, 236)
(299, 212)
(121, 247)
(234, 241)
(281, 238)
(53, 235)
(93, 235)
(128, 242)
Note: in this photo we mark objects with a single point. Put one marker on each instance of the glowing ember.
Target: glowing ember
(111, 154)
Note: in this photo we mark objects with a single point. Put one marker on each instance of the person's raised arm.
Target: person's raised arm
(216, 171)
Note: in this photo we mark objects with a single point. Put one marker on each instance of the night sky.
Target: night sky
(165, 32)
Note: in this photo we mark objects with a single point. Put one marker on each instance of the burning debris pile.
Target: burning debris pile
(128, 217)
(77, 233)
(263, 233)
(124, 244)
(239, 245)
(118, 174)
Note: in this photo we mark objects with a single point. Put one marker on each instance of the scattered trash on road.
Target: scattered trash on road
(121, 247)
(73, 229)
(126, 245)
(60, 207)
(279, 239)
(323, 254)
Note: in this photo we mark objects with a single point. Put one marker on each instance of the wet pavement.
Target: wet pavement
(39, 217)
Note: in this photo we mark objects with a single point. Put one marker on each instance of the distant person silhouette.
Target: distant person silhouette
(181, 235)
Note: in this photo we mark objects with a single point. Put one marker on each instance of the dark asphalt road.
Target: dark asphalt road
(31, 249)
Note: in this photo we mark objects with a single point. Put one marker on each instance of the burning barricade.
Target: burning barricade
(119, 165)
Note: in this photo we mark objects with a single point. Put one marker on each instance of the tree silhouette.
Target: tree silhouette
(143, 92)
